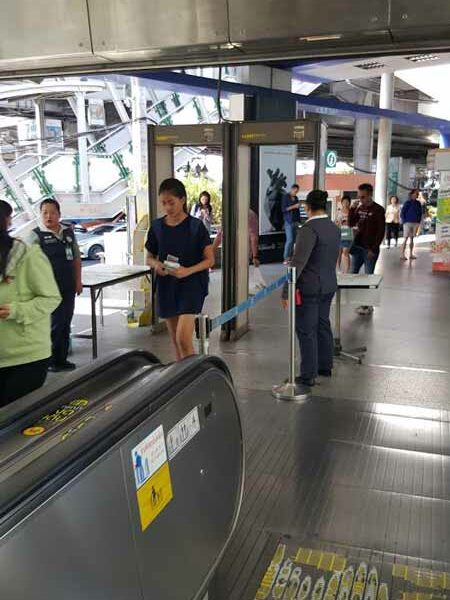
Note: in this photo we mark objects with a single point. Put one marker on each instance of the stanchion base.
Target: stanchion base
(355, 354)
(291, 392)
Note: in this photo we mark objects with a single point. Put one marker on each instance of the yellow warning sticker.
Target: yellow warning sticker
(30, 431)
(154, 495)
(327, 561)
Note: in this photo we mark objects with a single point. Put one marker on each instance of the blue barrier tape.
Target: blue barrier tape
(236, 310)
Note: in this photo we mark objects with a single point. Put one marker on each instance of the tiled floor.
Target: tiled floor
(410, 329)
(407, 363)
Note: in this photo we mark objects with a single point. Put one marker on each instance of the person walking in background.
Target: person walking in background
(343, 262)
(253, 237)
(290, 207)
(392, 220)
(180, 251)
(59, 244)
(203, 210)
(411, 217)
(28, 295)
(368, 222)
(315, 256)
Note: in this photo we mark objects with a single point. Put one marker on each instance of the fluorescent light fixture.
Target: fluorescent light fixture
(321, 38)
(420, 58)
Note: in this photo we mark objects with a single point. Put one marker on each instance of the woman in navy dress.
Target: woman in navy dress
(181, 291)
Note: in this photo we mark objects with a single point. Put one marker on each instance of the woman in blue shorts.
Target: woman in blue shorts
(180, 251)
(343, 263)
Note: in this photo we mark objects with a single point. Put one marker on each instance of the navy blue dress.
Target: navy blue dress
(186, 241)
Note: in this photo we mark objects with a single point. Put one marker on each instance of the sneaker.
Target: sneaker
(412, 257)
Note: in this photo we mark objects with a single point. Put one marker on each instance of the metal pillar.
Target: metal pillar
(118, 104)
(363, 140)
(140, 149)
(82, 147)
(384, 140)
(320, 150)
(39, 112)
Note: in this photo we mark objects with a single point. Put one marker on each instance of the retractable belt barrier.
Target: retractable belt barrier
(249, 303)
(204, 325)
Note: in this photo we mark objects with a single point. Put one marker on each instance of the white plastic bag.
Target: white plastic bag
(255, 280)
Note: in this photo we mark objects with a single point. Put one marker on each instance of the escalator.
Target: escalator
(123, 483)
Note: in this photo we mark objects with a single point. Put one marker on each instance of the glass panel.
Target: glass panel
(102, 172)
(61, 173)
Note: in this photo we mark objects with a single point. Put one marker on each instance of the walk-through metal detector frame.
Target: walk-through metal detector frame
(236, 141)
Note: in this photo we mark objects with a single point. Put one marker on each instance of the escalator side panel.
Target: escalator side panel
(87, 540)
(185, 540)
(77, 545)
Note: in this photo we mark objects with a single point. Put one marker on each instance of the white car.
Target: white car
(92, 244)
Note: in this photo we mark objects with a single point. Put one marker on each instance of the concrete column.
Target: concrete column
(363, 139)
(82, 147)
(363, 145)
(39, 112)
(320, 151)
(139, 141)
(384, 140)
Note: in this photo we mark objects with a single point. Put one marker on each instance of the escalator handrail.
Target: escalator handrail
(36, 489)
(38, 401)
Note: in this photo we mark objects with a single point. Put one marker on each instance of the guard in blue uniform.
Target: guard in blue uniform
(60, 246)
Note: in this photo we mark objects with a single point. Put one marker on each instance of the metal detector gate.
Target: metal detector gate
(236, 141)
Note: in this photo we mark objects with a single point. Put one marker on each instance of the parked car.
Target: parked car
(92, 243)
(85, 225)
(79, 229)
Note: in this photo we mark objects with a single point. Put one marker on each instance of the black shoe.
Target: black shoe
(325, 372)
(309, 381)
(65, 366)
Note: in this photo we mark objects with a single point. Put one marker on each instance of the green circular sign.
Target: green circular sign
(331, 159)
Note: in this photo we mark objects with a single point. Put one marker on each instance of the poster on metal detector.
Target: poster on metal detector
(276, 175)
(440, 249)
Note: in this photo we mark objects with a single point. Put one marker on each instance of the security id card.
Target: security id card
(172, 263)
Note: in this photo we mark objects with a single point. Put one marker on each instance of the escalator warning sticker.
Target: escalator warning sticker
(183, 432)
(58, 416)
(149, 456)
(30, 431)
(154, 495)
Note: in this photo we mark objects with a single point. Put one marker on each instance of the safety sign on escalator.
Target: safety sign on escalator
(152, 476)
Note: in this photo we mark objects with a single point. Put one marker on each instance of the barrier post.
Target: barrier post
(291, 390)
(202, 333)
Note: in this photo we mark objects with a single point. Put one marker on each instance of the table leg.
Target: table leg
(102, 320)
(354, 354)
(93, 323)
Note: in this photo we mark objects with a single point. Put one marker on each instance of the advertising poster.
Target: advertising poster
(96, 112)
(440, 250)
(276, 175)
(26, 132)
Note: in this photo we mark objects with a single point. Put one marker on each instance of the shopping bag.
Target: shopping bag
(256, 280)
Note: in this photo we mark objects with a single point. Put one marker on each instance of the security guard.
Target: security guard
(315, 256)
(60, 246)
